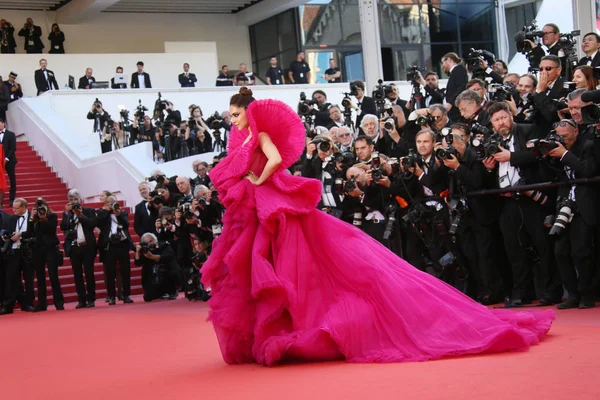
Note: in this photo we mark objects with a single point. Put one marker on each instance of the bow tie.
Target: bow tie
(140, 73)
(1, 132)
(21, 217)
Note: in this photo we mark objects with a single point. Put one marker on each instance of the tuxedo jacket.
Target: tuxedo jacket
(34, 36)
(83, 82)
(367, 106)
(45, 232)
(87, 220)
(547, 108)
(457, 82)
(189, 81)
(595, 61)
(134, 81)
(144, 220)
(13, 96)
(104, 220)
(9, 144)
(42, 84)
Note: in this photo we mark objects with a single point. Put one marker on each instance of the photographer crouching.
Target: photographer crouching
(160, 272)
(78, 224)
(576, 216)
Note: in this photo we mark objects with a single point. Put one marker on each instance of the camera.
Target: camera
(488, 147)
(5, 239)
(305, 107)
(350, 185)
(566, 210)
(381, 91)
(198, 260)
(75, 206)
(410, 161)
(156, 198)
(97, 104)
(147, 247)
(323, 145)
(347, 158)
(115, 206)
(445, 134)
(445, 153)
(389, 124)
(541, 147)
(140, 111)
(215, 121)
(502, 92)
(41, 208)
(529, 32)
(377, 170)
(474, 58)
(159, 179)
(590, 114)
(353, 89)
(124, 113)
(478, 129)
(412, 75)
(424, 120)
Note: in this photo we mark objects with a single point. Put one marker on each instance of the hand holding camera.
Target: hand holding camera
(558, 151)
(503, 155)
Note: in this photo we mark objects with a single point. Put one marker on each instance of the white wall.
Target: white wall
(141, 33)
(163, 68)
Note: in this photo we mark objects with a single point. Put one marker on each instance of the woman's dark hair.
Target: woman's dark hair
(588, 72)
(242, 99)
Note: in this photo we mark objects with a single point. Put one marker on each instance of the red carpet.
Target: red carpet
(165, 350)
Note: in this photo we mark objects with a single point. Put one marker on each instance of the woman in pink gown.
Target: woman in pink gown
(291, 283)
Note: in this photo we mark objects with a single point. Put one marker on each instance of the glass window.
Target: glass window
(266, 38)
(350, 24)
(401, 24)
(437, 52)
(353, 66)
(516, 18)
(476, 22)
(442, 22)
(287, 30)
(319, 63)
(320, 24)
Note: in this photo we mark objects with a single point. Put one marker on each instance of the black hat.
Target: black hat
(13, 74)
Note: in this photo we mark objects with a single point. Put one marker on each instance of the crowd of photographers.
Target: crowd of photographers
(173, 136)
(176, 222)
(489, 184)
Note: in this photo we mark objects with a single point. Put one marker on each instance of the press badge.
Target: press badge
(217, 229)
(57, 47)
(301, 74)
(31, 42)
(503, 181)
(277, 81)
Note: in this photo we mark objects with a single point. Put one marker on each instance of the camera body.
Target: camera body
(323, 145)
(503, 92)
(474, 58)
(76, 206)
(147, 247)
(529, 32)
(5, 240)
(445, 153)
(424, 120)
(489, 147)
(411, 160)
(353, 89)
(412, 75)
(541, 147)
(478, 129)
(381, 91)
(305, 106)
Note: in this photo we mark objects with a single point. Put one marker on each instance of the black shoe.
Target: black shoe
(59, 307)
(585, 304)
(112, 301)
(91, 304)
(571, 302)
(40, 309)
(27, 309)
(173, 296)
(107, 299)
(550, 302)
(127, 300)
(5, 311)
(121, 298)
(80, 305)
(516, 302)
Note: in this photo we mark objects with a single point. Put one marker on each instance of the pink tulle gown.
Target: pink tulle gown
(291, 283)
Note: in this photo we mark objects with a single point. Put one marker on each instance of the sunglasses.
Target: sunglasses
(547, 68)
(563, 123)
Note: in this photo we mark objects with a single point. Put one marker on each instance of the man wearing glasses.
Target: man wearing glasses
(551, 41)
(574, 247)
(550, 87)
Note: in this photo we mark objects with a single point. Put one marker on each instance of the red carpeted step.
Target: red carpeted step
(35, 178)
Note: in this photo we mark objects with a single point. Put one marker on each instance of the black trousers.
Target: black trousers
(476, 243)
(82, 261)
(375, 230)
(15, 266)
(10, 171)
(522, 226)
(574, 251)
(118, 253)
(106, 146)
(7, 50)
(43, 257)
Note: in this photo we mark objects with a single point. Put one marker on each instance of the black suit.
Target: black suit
(574, 249)
(82, 253)
(135, 83)
(521, 223)
(157, 283)
(33, 39)
(11, 43)
(42, 84)
(13, 96)
(546, 108)
(595, 60)
(189, 81)
(436, 95)
(144, 219)
(9, 144)
(457, 83)
(116, 251)
(57, 43)
(16, 264)
(46, 242)
(84, 81)
(367, 106)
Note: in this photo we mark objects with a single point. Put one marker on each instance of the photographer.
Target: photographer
(471, 111)
(111, 133)
(160, 272)
(457, 81)
(144, 133)
(15, 89)
(575, 104)
(522, 215)
(431, 84)
(398, 140)
(576, 217)
(45, 253)
(550, 39)
(144, 219)
(393, 98)
(435, 118)
(523, 109)
(33, 37)
(8, 44)
(472, 218)
(319, 99)
(336, 119)
(201, 170)
(550, 88)
(590, 46)
(78, 224)
(166, 229)
(479, 87)
(115, 241)
(57, 40)
(100, 117)
(17, 259)
(365, 105)
(209, 210)
(201, 140)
